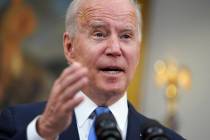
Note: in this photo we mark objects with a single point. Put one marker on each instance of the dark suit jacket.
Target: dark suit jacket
(14, 121)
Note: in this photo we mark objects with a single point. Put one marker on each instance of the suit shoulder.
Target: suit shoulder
(141, 121)
(37, 107)
(14, 120)
(22, 114)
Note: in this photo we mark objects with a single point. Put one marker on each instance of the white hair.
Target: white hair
(71, 16)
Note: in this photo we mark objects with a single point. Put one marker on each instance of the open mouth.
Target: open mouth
(112, 70)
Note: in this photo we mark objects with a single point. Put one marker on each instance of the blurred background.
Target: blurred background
(171, 83)
(31, 48)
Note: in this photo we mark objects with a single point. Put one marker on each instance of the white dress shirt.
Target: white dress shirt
(83, 111)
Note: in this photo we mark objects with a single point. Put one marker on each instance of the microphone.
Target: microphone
(154, 131)
(106, 127)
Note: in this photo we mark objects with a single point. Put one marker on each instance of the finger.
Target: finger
(71, 91)
(70, 79)
(71, 104)
(59, 86)
(69, 70)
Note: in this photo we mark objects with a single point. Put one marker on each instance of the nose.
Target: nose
(113, 47)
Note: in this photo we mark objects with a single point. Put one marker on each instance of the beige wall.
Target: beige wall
(180, 29)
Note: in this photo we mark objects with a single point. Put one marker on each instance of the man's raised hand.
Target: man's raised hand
(62, 101)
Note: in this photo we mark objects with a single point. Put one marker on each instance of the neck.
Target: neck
(103, 98)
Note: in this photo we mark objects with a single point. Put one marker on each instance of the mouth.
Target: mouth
(112, 69)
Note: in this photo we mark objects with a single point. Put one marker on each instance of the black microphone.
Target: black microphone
(106, 127)
(154, 131)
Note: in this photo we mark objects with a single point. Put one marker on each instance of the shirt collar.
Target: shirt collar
(84, 109)
(118, 109)
(120, 112)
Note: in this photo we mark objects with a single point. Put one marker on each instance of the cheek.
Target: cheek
(88, 56)
(81, 52)
(132, 56)
(87, 51)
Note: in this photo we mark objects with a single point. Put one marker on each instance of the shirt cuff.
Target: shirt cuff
(32, 133)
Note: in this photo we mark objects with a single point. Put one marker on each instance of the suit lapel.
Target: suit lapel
(134, 124)
(71, 133)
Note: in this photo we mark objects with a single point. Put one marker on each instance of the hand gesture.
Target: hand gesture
(62, 101)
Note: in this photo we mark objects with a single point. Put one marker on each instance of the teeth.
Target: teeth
(112, 72)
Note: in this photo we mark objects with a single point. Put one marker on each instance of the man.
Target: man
(101, 44)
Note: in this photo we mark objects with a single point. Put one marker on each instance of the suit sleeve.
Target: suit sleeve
(8, 127)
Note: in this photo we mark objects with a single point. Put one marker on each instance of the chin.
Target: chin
(109, 85)
(112, 88)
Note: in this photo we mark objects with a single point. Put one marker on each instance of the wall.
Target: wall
(180, 30)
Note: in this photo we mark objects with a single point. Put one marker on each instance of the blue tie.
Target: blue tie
(98, 111)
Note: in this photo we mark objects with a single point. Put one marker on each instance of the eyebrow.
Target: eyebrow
(98, 24)
(129, 28)
(102, 24)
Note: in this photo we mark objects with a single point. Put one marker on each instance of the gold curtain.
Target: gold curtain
(134, 92)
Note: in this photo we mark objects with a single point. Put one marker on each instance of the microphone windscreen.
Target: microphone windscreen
(106, 127)
(153, 131)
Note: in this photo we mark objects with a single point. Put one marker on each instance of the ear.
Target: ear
(68, 47)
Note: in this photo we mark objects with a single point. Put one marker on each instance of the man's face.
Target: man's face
(107, 43)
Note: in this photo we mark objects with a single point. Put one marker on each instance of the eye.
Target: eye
(99, 34)
(126, 36)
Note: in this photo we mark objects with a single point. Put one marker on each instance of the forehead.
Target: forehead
(107, 10)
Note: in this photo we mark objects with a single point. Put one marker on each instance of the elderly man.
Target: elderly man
(102, 45)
